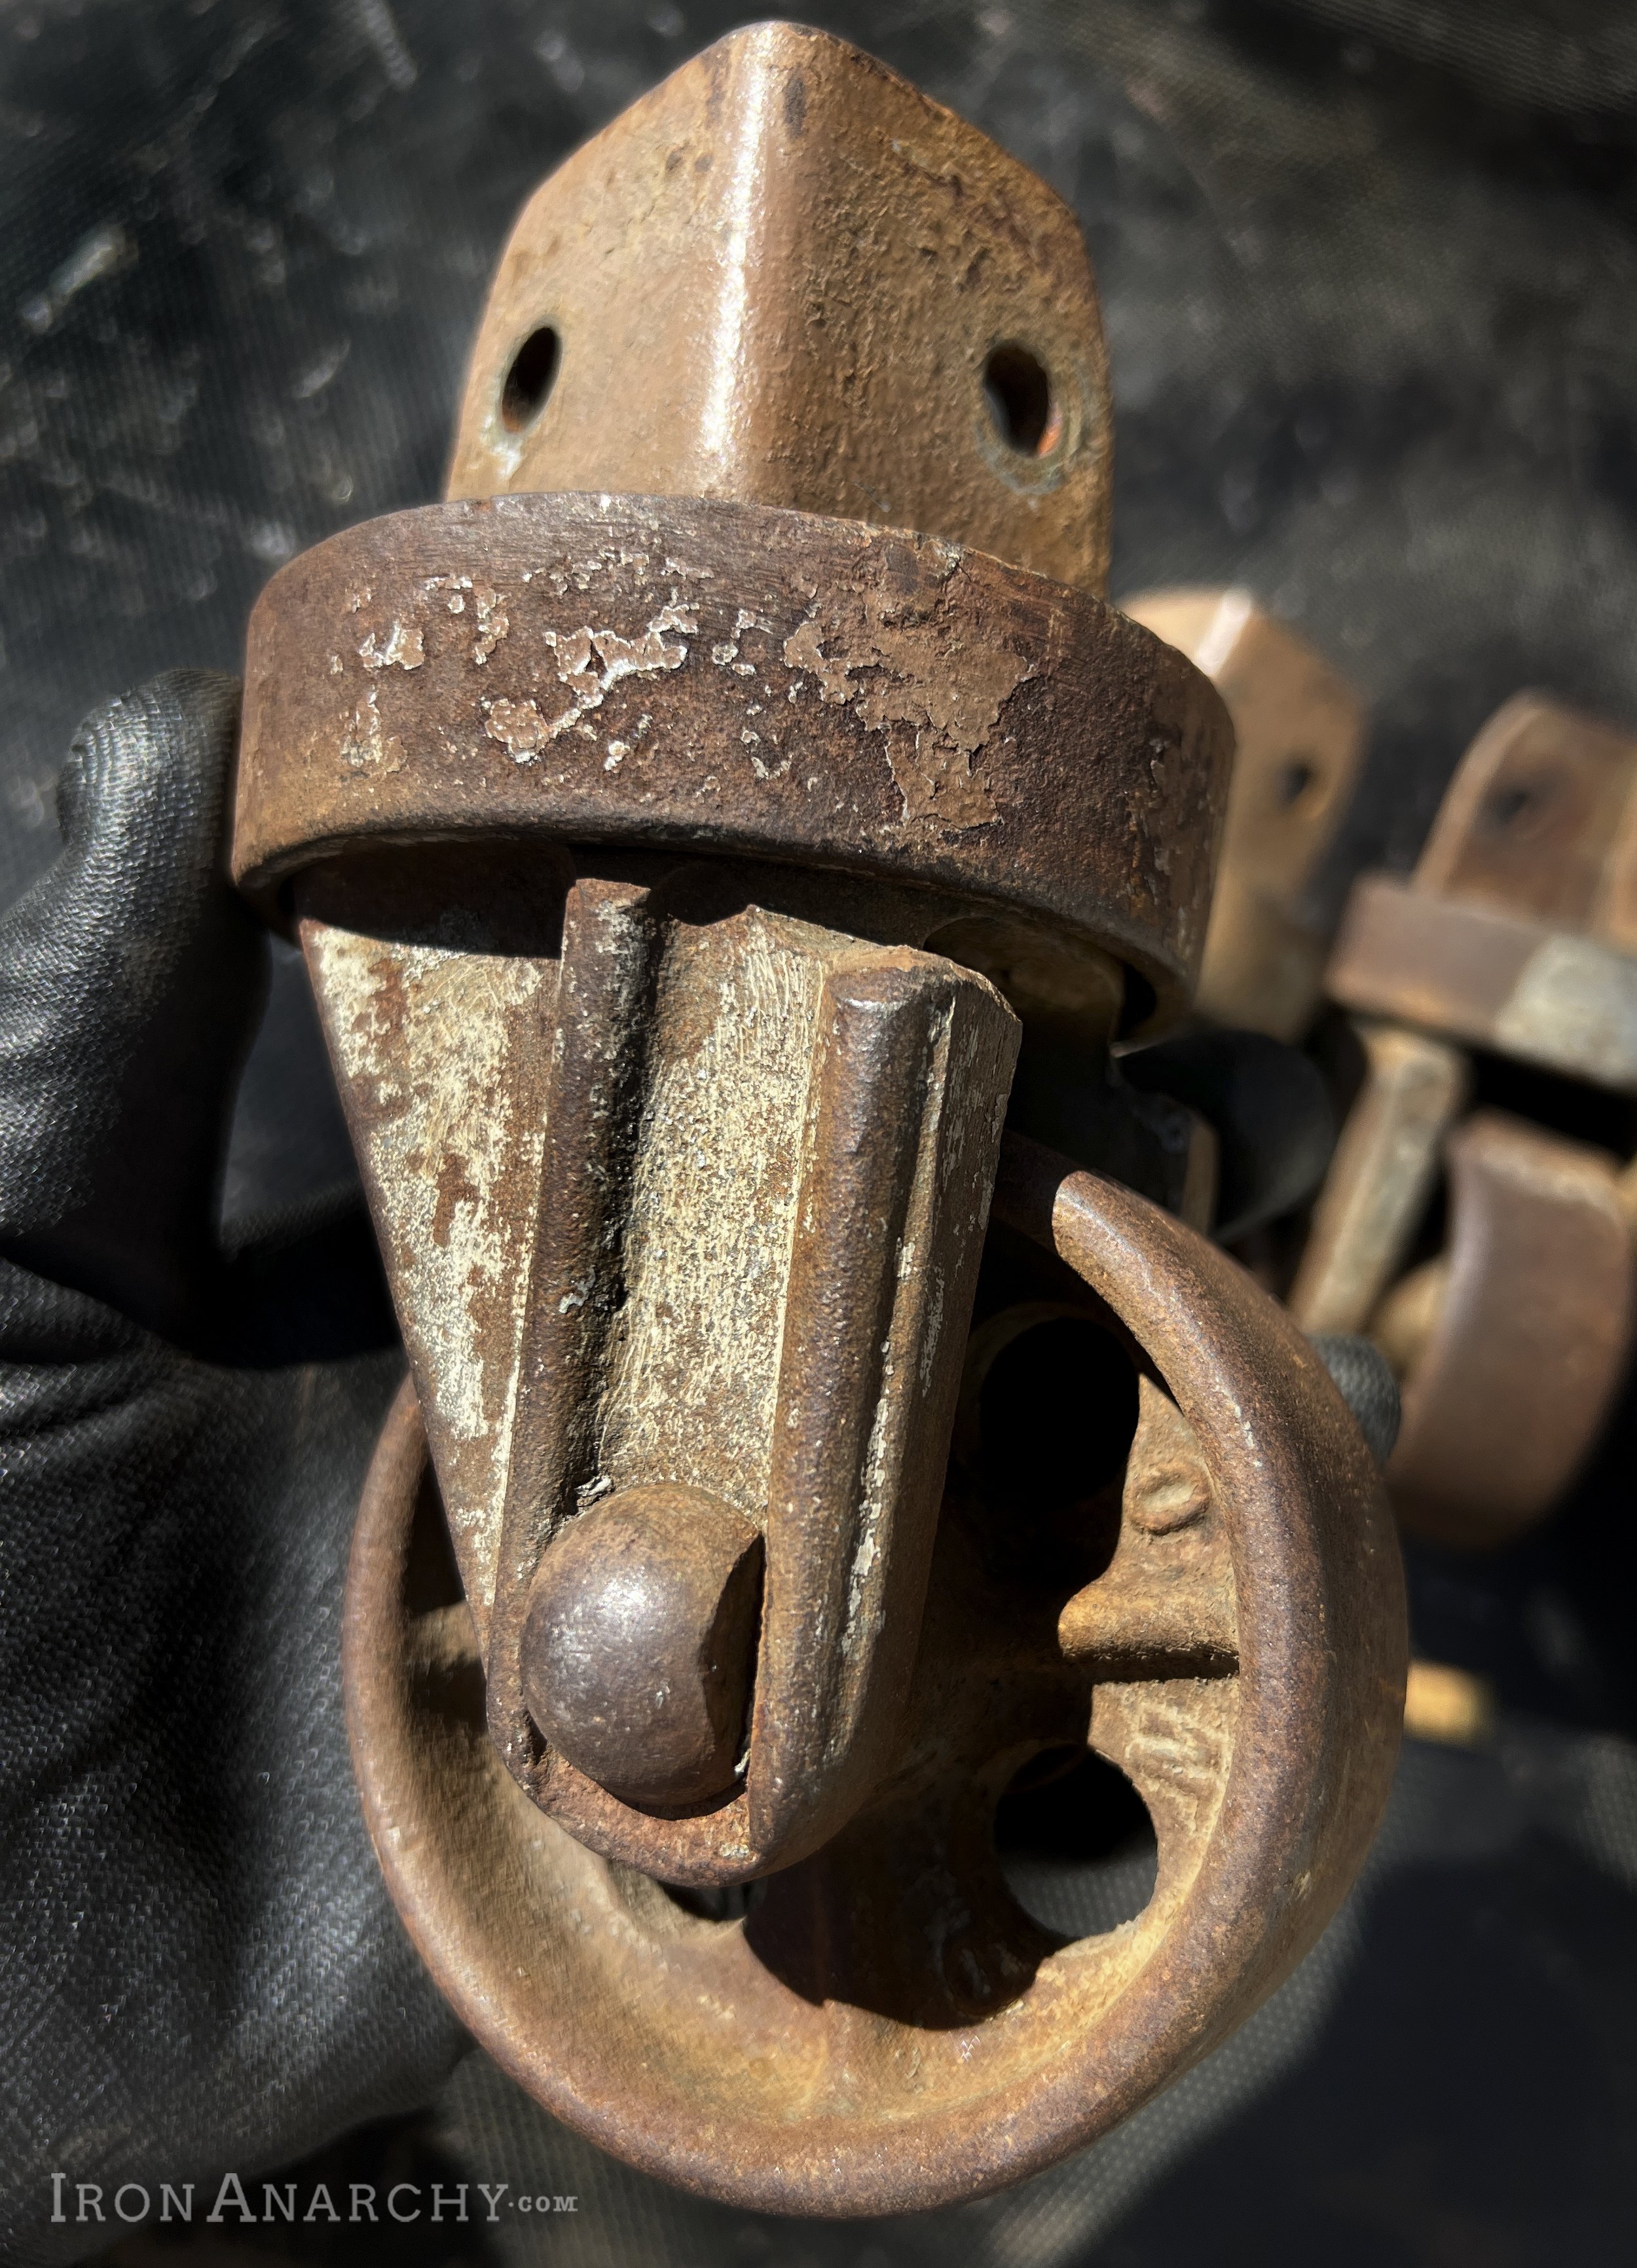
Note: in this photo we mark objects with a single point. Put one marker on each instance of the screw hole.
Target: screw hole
(1020, 401)
(1294, 780)
(533, 374)
(1511, 805)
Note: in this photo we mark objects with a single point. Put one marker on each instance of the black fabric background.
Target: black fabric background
(1369, 269)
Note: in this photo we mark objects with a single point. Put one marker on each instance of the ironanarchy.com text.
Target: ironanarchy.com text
(405, 2201)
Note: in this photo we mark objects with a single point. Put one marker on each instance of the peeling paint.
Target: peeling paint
(935, 700)
(441, 1055)
(405, 648)
(492, 622)
(519, 727)
(850, 697)
(366, 745)
(804, 649)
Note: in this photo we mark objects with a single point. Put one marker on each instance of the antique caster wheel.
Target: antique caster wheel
(1514, 936)
(691, 825)
(1513, 1343)
(879, 2026)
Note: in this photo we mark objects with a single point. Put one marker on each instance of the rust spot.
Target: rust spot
(455, 1187)
(390, 1007)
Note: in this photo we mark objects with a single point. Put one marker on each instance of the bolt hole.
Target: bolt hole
(1512, 804)
(1296, 779)
(1020, 401)
(529, 381)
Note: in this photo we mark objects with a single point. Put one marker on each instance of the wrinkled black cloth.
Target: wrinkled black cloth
(198, 1963)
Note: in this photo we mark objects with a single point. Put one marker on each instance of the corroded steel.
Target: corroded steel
(729, 1160)
(1385, 1168)
(635, 671)
(1539, 819)
(1516, 931)
(887, 2029)
(752, 1276)
(785, 278)
(639, 1642)
(1298, 727)
(1546, 996)
(1513, 935)
(1524, 1340)
(679, 872)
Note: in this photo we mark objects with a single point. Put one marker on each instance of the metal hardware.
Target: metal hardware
(1513, 935)
(680, 865)
(1299, 726)
(886, 2029)
(1513, 1343)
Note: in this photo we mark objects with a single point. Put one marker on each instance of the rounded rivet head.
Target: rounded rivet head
(1172, 1495)
(639, 1646)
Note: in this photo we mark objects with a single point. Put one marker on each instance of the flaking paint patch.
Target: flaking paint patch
(890, 647)
(366, 745)
(404, 648)
(589, 661)
(519, 726)
(935, 700)
(463, 594)
(893, 704)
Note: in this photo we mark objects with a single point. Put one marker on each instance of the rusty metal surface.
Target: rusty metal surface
(1514, 933)
(679, 875)
(588, 1157)
(1539, 819)
(1510, 936)
(1548, 996)
(434, 988)
(751, 1278)
(719, 676)
(1299, 730)
(1384, 1172)
(639, 1647)
(886, 2029)
(916, 309)
(1524, 1339)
